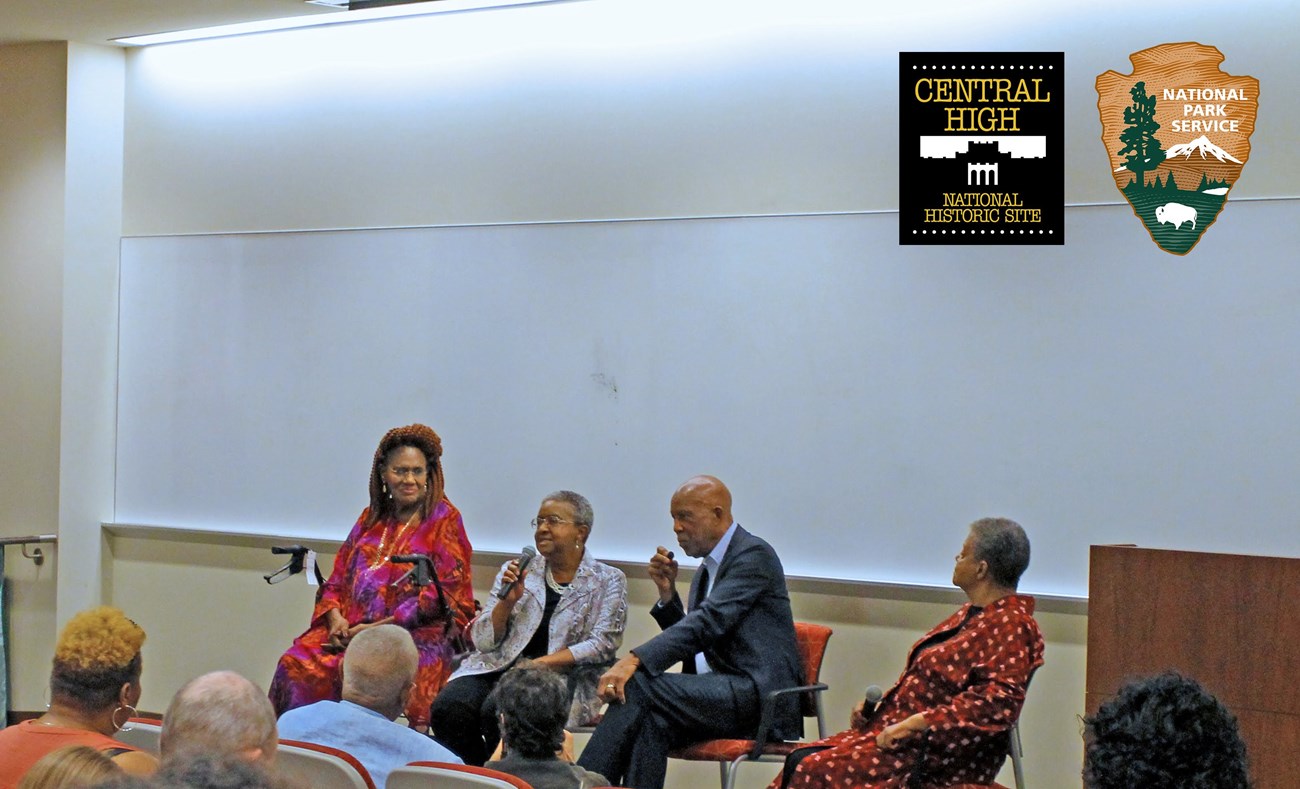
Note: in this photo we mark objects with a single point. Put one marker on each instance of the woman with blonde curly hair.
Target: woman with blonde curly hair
(408, 514)
(94, 687)
(71, 767)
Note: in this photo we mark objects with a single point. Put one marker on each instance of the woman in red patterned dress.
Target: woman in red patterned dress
(947, 720)
(408, 514)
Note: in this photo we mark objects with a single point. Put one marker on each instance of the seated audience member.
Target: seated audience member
(736, 643)
(379, 670)
(532, 703)
(94, 687)
(71, 767)
(1163, 732)
(198, 770)
(948, 718)
(566, 614)
(221, 714)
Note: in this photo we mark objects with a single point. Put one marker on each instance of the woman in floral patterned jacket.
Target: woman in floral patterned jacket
(565, 611)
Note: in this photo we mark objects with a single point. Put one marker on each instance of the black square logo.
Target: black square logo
(981, 148)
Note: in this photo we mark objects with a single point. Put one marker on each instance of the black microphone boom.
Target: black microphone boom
(422, 573)
(525, 557)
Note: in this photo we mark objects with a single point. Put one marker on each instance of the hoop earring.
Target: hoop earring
(126, 724)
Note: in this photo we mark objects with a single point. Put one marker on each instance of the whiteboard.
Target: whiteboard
(864, 401)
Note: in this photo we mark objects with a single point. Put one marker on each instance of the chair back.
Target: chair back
(320, 766)
(142, 733)
(441, 775)
(811, 640)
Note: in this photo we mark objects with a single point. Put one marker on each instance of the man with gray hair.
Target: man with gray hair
(378, 677)
(220, 713)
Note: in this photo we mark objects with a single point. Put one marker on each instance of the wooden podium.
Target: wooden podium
(1230, 622)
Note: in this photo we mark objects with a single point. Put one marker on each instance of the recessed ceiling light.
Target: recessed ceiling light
(358, 11)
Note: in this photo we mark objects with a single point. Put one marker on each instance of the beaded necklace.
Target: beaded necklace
(389, 541)
(555, 585)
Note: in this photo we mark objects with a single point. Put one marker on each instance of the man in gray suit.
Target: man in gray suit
(736, 644)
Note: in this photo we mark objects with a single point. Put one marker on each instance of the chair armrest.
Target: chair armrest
(767, 713)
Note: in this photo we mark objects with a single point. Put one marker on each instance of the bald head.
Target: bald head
(701, 512)
(708, 488)
(379, 669)
(220, 713)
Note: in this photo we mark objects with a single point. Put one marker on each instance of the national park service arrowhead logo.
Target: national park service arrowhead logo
(1177, 132)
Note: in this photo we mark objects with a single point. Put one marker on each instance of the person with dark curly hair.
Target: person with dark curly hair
(199, 770)
(408, 514)
(94, 687)
(1164, 732)
(532, 704)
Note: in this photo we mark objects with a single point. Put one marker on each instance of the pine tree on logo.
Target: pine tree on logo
(1139, 138)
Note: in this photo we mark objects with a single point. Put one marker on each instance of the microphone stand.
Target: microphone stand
(295, 565)
(421, 574)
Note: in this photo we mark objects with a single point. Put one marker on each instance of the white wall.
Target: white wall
(32, 136)
(620, 109)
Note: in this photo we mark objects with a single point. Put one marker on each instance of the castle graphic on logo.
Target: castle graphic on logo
(1177, 132)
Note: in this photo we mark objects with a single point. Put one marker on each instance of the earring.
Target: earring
(131, 712)
(385, 486)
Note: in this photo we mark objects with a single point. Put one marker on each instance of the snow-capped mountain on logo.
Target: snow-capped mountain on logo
(1202, 145)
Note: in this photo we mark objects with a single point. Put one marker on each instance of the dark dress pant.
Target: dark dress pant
(630, 746)
(464, 719)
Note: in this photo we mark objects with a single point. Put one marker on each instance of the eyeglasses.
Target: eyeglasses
(401, 472)
(549, 520)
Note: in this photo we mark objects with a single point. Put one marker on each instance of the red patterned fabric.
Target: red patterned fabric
(360, 587)
(968, 676)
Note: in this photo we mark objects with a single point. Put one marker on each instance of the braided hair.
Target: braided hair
(419, 437)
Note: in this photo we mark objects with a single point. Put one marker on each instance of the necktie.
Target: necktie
(701, 588)
(700, 665)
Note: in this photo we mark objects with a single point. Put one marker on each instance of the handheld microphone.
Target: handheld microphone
(873, 697)
(524, 558)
